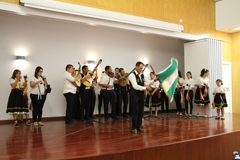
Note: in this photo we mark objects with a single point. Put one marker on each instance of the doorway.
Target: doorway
(227, 82)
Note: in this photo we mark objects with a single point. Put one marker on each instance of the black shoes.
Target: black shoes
(125, 116)
(70, 123)
(141, 130)
(138, 130)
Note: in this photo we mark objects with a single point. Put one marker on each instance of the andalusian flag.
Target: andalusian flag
(169, 78)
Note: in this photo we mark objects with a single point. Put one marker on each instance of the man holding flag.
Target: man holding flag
(138, 86)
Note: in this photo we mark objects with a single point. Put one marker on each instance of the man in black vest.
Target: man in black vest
(138, 87)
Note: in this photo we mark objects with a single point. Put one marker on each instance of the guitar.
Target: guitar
(144, 68)
(91, 73)
(123, 83)
(77, 83)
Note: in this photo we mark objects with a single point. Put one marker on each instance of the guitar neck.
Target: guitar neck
(96, 66)
(130, 73)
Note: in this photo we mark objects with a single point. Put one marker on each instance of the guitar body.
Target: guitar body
(78, 82)
(86, 83)
(123, 83)
(92, 73)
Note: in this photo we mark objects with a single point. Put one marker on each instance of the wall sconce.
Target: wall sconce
(91, 62)
(20, 57)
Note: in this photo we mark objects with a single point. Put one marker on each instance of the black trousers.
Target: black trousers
(118, 103)
(100, 100)
(37, 107)
(124, 99)
(130, 104)
(77, 112)
(137, 110)
(190, 101)
(177, 98)
(164, 99)
(86, 104)
(70, 98)
(92, 103)
(109, 97)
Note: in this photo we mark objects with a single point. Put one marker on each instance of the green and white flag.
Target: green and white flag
(169, 78)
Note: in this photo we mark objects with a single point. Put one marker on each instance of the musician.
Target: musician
(69, 91)
(86, 97)
(117, 91)
(16, 102)
(107, 84)
(123, 95)
(137, 85)
(38, 95)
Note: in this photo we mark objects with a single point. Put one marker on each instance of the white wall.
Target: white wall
(53, 44)
(206, 53)
(195, 58)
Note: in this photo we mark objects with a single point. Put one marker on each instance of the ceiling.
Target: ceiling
(227, 15)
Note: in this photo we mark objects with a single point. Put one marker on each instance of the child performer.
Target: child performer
(220, 98)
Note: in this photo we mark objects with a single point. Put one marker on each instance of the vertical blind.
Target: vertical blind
(215, 66)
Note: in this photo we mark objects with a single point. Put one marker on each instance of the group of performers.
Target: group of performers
(118, 89)
(18, 99)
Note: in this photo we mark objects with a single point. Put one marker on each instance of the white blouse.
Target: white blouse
(11, 80)
(181, 80)
(188, 82)
(220, 89)
(35, 88)
(155, 85)
(201, 81)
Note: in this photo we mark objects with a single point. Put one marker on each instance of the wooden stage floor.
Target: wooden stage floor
(171, 137)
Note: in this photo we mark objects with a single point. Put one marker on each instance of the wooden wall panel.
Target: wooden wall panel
(235, 71)
(10, 1)
(199, 14)
(227, 51)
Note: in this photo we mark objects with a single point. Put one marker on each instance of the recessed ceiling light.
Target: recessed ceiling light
(235, 29)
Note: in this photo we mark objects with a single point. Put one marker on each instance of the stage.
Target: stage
(166, 138)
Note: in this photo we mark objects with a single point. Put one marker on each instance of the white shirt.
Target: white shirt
(35, 88)
(67, 83)
(201, 81)
(188, 82)
(11, 80)
(155, 84)
(132, 79)
(105, 79)
(220, 89)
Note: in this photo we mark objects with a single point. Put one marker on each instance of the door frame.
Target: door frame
(230, 93)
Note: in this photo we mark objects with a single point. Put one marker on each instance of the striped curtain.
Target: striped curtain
(215, 66)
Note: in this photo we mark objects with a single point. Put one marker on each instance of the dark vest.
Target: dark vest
(139, 82)
(82, 87)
